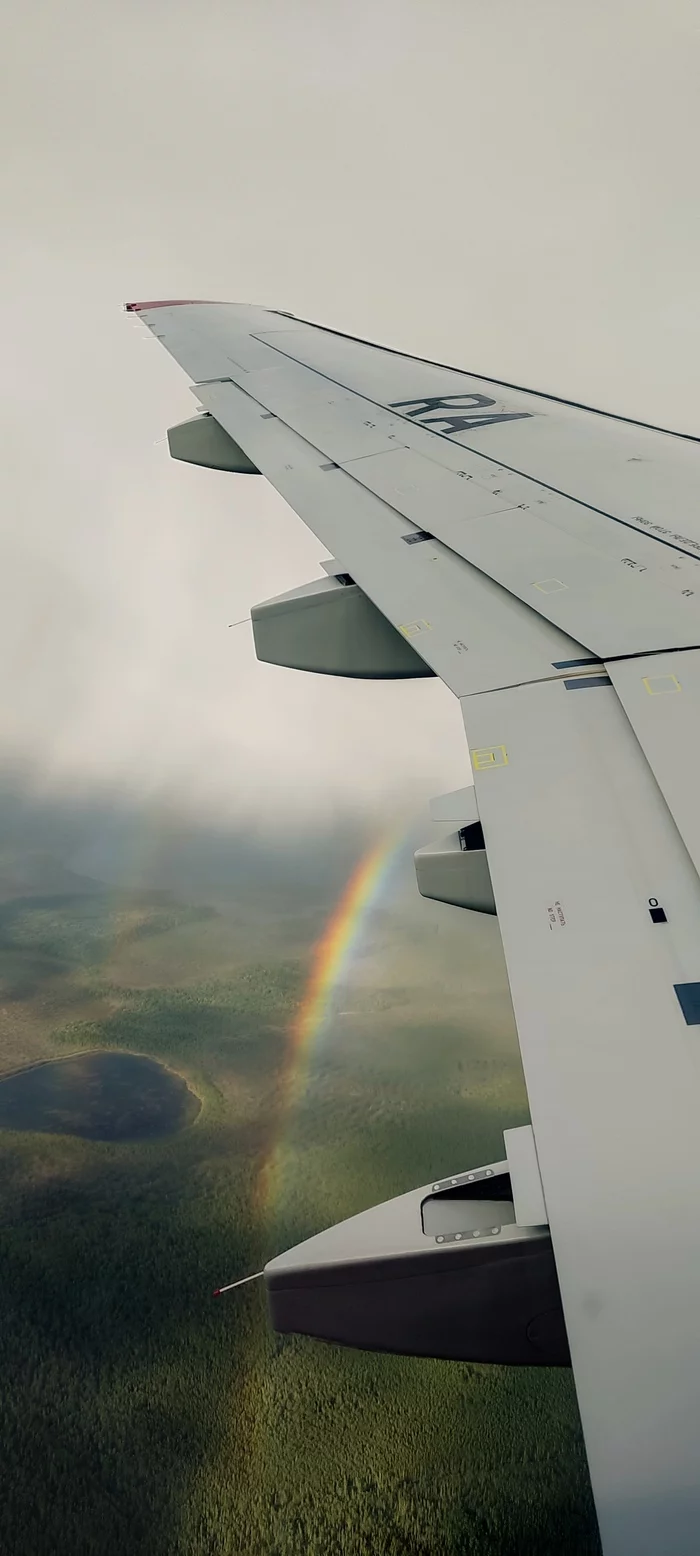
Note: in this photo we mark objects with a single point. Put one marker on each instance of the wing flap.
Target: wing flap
(661, 697)
(580, 843)
(607, 599)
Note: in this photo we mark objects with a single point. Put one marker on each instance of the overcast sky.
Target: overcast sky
(510, 188)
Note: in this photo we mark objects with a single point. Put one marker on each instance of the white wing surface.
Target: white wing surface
(542, 559)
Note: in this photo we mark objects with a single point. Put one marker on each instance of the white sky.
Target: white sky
(509, 188)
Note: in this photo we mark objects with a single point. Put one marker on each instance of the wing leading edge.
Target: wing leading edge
(543, 561)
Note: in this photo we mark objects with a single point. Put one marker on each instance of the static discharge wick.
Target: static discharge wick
(234, 1283)
(240, 623)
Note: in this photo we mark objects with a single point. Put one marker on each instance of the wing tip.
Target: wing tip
(167, 302)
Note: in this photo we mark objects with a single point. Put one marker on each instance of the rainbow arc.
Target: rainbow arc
(331, 958)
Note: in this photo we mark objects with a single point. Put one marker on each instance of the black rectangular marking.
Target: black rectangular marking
(587, 680)
(688, 995)
(573, 664)
(657, 916)
(471, 837)
(328, 466)
(418, 535)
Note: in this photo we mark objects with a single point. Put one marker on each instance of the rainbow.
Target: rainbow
(329, 962)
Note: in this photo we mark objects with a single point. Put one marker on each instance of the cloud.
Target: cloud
(481, 185)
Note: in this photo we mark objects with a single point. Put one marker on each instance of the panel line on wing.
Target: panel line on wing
(662, 702)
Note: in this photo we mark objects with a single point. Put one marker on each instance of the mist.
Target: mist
(389, 170)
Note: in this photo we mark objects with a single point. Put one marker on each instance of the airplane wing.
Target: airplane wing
(543, 559)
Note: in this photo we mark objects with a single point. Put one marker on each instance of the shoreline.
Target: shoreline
(131, 1053)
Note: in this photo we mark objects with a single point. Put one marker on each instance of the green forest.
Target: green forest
(139, 1415)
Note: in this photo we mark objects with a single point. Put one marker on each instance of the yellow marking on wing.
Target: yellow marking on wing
(655, 684)
(489, 756)
(411, 628)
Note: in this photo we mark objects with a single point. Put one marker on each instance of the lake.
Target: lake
(99, 1096)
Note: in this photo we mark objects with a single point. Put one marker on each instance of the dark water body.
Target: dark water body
(99, 1096)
